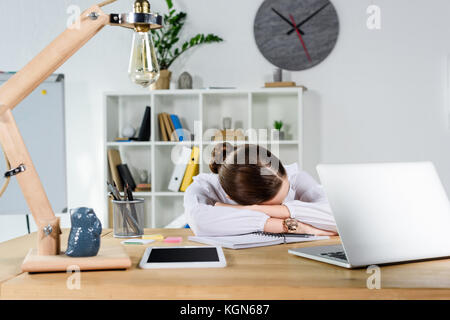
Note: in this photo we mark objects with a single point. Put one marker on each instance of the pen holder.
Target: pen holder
(128, 218)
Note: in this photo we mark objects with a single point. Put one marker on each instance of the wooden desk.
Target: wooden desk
(258, 273)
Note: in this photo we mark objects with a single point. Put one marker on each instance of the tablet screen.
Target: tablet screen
(167, 255)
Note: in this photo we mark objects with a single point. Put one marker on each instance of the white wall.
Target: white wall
(378, 97)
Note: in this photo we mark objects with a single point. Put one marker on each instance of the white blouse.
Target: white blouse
(306, 202)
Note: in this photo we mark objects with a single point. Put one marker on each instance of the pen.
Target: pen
(115, 193)
(129, 193)
(125, 192)
(301, 235)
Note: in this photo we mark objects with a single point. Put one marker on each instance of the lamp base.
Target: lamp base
(108, 258)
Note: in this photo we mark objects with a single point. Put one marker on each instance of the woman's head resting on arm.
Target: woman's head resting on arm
(250, 174)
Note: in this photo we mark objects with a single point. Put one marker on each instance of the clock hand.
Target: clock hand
(285, 19)
(309, 18)
(301, 39)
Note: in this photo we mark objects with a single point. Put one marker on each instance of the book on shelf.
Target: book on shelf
(143, 187)
(115, 160)
(170, 127)
(192, 169)
(283, 84)
(172, 136)
(144, 131)
(182, 162)
(162, 127)
(177, 127)
(126, 176)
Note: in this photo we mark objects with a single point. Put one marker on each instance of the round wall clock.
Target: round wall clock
(296, 34)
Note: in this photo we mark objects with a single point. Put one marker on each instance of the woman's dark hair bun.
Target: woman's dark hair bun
(219, 154)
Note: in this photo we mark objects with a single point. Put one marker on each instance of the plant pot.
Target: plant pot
(277, 135)
(163, 82)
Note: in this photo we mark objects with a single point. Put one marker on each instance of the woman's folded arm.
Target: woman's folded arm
(316, 214)
(205, 219)
(311, 204)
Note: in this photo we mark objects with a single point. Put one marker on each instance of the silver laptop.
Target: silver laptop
(385, 213)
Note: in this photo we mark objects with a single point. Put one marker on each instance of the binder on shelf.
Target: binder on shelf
(126, 176)
(177, 127)
(144, 132)
(182, 161)
(162, 127)
(192, 169)
(114, 160)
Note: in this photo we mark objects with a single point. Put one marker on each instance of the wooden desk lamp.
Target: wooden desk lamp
(29, 78)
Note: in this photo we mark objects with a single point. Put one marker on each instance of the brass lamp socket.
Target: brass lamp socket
(142, 6)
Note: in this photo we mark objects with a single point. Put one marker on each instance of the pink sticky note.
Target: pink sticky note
(173, 239)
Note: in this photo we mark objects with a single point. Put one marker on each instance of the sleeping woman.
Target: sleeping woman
(250, 191)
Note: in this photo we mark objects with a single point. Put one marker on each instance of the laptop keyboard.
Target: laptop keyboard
(337, 255)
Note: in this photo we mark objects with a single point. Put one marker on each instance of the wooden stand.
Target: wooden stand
(108, 258)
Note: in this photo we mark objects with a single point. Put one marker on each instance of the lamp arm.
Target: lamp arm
(106, 2)
(8, 167)
(18, 88)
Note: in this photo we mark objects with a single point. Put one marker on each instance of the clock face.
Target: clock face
(303, 46)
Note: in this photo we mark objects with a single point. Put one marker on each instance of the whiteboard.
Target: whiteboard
(41, 120)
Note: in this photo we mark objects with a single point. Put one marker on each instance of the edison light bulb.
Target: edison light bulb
(143, 68)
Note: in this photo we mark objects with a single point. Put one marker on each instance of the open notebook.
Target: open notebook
(256, 239)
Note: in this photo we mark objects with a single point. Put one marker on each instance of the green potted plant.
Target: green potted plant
(278, 125)
(166, 40)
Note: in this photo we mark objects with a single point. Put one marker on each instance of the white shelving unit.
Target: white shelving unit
(198, 110)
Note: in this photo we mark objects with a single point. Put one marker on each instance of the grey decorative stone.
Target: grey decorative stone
(84, 237)
(185, 81)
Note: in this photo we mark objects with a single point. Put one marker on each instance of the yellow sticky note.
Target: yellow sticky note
(153, 237)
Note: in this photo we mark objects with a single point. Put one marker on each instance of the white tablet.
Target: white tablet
(183, 257)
